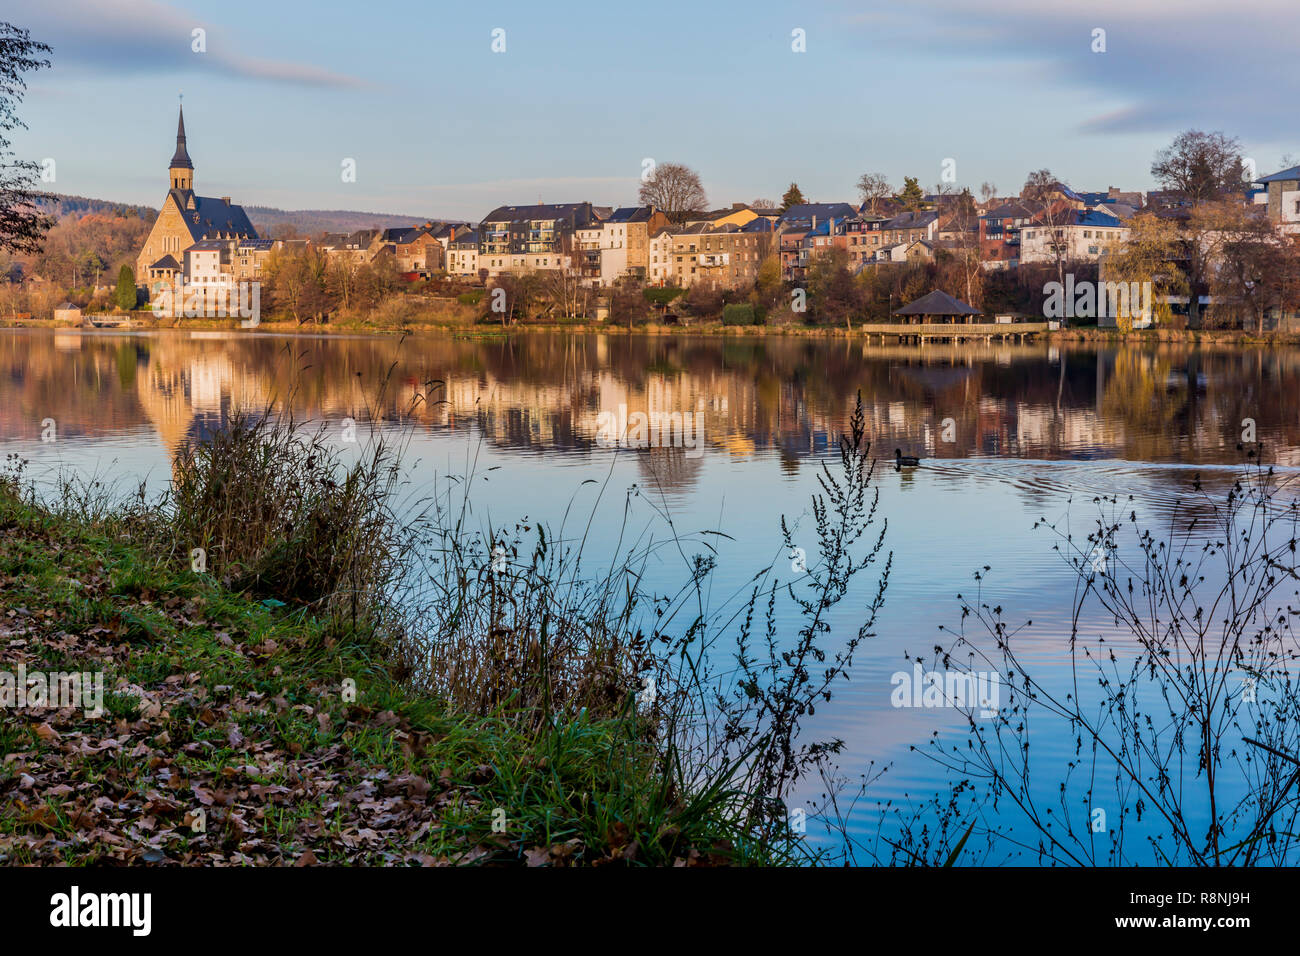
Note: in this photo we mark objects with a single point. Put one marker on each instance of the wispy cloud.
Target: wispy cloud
(124, 37)
(1165, 65)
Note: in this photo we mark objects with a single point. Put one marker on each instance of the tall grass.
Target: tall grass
(522, 624)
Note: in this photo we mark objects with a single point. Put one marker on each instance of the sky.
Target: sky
(438, 124)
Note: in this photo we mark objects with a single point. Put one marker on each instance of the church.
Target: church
(186, 219)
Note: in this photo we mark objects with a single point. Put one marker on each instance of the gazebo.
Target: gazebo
(937, 307)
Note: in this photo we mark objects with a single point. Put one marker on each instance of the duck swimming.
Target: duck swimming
(904, 461)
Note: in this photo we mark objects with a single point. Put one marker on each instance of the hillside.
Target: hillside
(264, 218)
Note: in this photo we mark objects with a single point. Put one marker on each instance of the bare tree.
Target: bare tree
(676, 189)
(23, 223)
(1044, 193)
(873, 187)
(1202, 166)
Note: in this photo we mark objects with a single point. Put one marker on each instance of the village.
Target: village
(1216, 250)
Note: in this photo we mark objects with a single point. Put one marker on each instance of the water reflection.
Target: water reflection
(783, 396)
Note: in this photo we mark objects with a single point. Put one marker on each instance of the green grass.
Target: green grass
(236, 706)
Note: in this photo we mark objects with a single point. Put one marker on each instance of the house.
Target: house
(637, 224)
(462, 254)
(527, 238)
(418, 250)
(909, 227)
(1284, 199)
(999, 234)
(661, 257)
(724, 257)
(1076, 236)
(917, 250)
(67, 312)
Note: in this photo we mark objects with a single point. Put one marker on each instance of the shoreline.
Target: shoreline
(1079, 335)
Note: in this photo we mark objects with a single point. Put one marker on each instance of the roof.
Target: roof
(912, 220)
(805, 212)
(631, 214)
(467, 238)
(1285, 175)
(1010, 210)
(578, 211)
(400, 234)
(937, 303)
(180, 158)
(213, 245)
(166, 262)
(1081, 217)
(1091, 217)
(212, 218)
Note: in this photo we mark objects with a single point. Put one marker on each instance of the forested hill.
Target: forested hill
(266, 219)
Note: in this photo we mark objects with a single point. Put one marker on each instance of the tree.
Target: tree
(873, 187)
(988, 192)
(1043, 193)
(964, 255)
(22, 223)
(911, 196)
(124, 296)
(1148, 256)
(1255, 271)
(676, 189)
(792, 197)
(833, 294)
(1202, 166)
(763, 204)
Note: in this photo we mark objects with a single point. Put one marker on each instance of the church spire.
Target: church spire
(181, 170)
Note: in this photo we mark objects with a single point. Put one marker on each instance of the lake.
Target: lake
(1009, 435)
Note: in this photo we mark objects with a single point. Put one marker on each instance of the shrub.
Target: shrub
(276, 512)
(739, 314)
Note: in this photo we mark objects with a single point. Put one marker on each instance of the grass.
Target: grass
(240, 708)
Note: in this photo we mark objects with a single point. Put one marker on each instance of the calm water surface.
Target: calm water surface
(1033, 427)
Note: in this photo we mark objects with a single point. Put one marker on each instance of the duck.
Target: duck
(904, 461)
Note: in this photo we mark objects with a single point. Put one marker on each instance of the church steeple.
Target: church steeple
(181, 169)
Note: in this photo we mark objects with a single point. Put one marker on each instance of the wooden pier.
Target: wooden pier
(954, 331)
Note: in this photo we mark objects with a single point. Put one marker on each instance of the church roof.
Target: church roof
(181, 158)
(210, 218)
(166, 262)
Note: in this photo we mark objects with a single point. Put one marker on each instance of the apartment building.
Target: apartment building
(529, 238)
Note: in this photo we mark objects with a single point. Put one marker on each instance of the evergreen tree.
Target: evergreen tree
(911, 197)
(792, 197)
(125, 296)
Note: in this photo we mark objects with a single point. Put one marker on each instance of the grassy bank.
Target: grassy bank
(232, 706)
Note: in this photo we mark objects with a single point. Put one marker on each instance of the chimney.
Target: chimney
(226, 200)
(453, 234)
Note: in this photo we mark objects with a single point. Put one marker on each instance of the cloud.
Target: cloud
(125, 37)
(1165, 66)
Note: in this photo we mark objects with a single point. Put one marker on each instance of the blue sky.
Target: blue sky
(441, 126)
